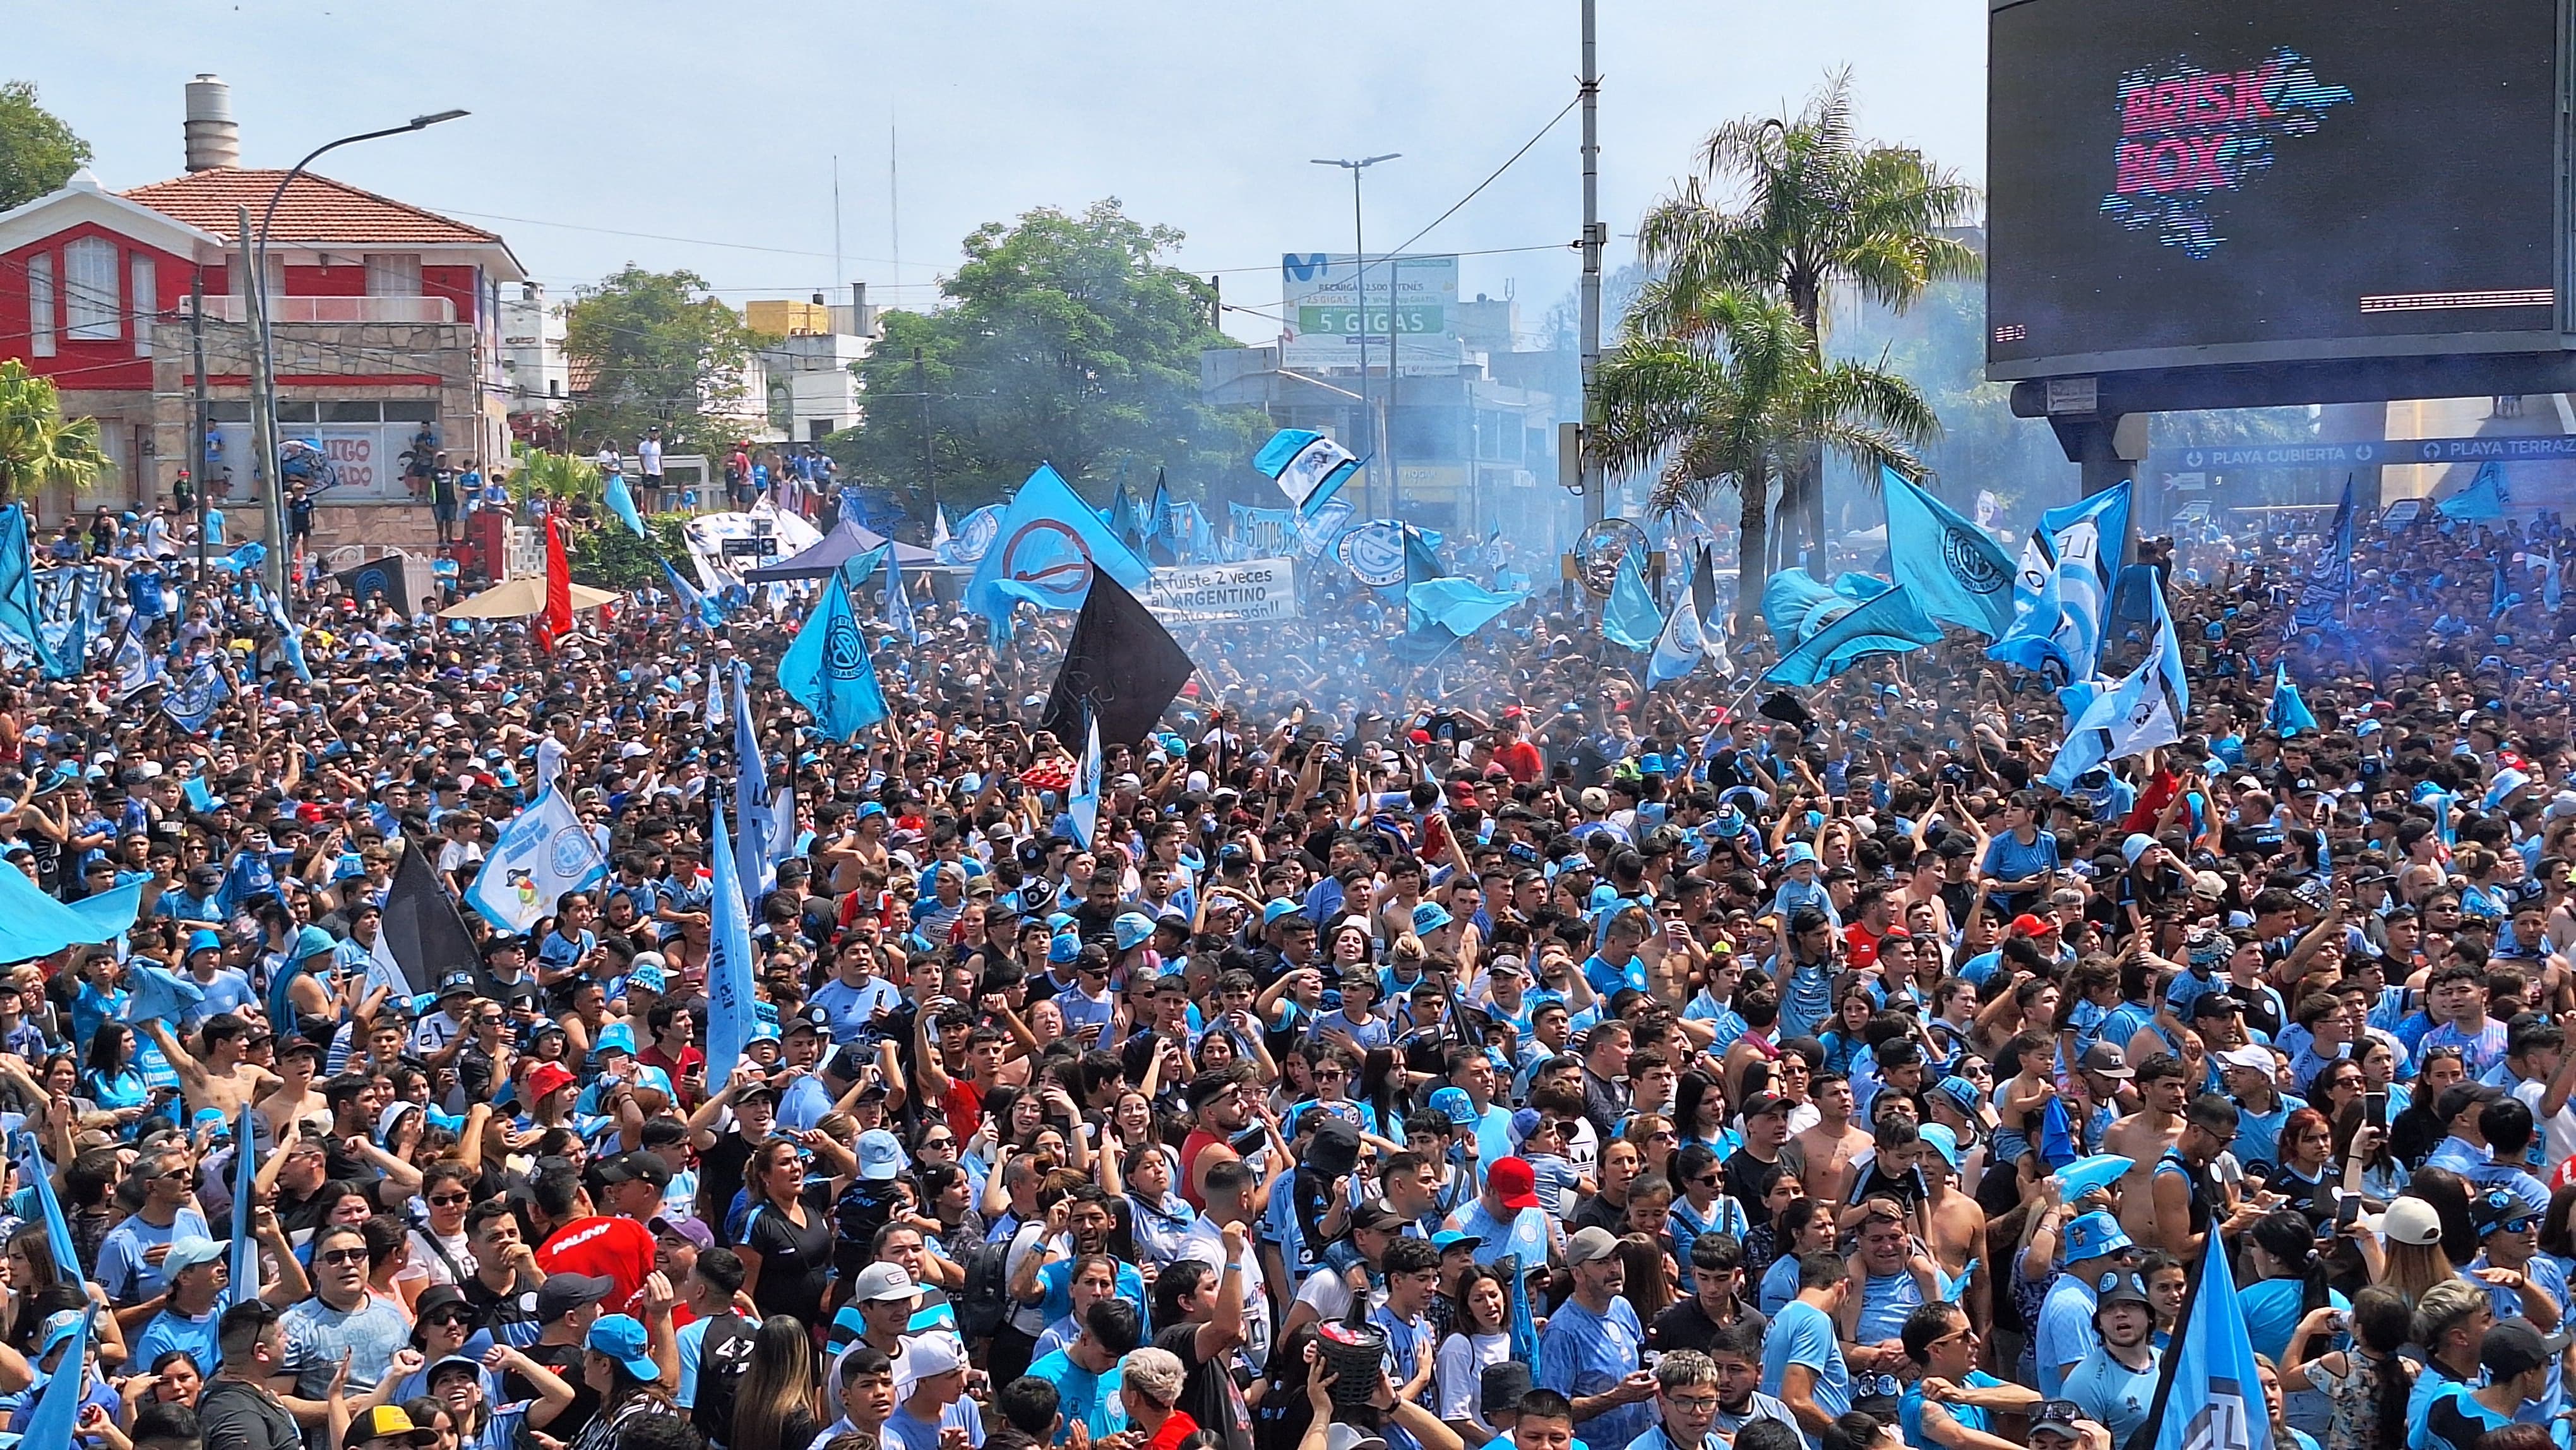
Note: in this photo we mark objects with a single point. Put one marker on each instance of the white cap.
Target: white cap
(883, 1281)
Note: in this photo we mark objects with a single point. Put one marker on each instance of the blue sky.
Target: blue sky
(719, 124)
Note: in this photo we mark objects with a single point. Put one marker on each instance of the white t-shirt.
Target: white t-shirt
(1460, 1373)
(648, 457)
(2558, 1132)
(425, 1265)
(1206, 1244)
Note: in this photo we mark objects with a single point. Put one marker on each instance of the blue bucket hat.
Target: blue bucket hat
(2095, 1235)
(203, 940)
(1132, 929)
(1430, 916)
(1063, 948)
(1799, 854)
(1454, 1104)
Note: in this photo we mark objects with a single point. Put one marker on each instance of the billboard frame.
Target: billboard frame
(2303, 371)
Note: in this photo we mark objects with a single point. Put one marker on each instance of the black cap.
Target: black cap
(2513, 1348)
(2215, 1004)
(2120, 1286)
(2460, 1097)
(1499, 1389)
(2058, 1417)
(561, 1294)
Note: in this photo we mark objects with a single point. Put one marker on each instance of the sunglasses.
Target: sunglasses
(451, 1200)
(342, 1256)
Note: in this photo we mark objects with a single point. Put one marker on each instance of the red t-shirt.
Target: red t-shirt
(1522, 761)
(964, 1108)
(619, 1248)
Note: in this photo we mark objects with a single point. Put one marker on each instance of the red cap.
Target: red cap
(547, 1077)
(2029, 925)
(1513, 1182)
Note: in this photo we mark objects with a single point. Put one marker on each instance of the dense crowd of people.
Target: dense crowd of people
(1448, 1054)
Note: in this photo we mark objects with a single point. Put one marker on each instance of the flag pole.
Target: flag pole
(2144, 1437)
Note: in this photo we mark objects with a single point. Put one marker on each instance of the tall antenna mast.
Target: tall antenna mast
(894, 206)
(840, 274)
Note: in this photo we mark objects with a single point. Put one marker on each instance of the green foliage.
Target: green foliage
(559, 478)
(609, 556)
(1822, 209)
(1721, 387)
(38, 153)
(1065, 340)
(660, 351)
(36, 446)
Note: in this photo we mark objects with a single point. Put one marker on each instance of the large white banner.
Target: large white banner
(1255, 589)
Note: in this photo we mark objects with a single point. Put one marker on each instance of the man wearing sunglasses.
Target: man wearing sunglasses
(130, 1259)
(2520, 1283)
(342, 1319)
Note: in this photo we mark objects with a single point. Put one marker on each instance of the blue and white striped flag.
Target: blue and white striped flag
(1308, 467)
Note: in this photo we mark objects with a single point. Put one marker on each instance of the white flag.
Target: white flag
(542, 853)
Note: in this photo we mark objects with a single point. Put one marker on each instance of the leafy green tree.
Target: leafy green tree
(37, 446)
(607, 555)
(1721, 386)
(660, 351)
(1822, 209)
(1066, 340)
(38, 153)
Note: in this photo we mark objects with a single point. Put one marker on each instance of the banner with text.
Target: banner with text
(1255, 589)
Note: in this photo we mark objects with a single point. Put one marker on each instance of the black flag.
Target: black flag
(422, 929)
(1121, 664)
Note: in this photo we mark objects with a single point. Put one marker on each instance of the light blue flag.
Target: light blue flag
(621, 502)
(245, 1246)
(973, 537)
(1046, 546)
(201, 796)
(752, 855)
(1318, 527)
(858, 569)
(33, 924)
(731, 1012)
(695, 604)
(2062, 594)
(58, 1404)
(18, 613)
(1956, 571)
(1162, 524)
(1308, 467)
(2289, 713)
(898, 605)
(1082, 801)
(1683, 644)
(827, 670)
(290, 640)
(1629, 618)
(2109, 720)
(194, 699)
(1887, 623)
(542, 853)
(2483, 501)
(49, 1212)
(2550, 593)
(109, 914)
(2328, 590)
(1460, 606)
(2209, 1391)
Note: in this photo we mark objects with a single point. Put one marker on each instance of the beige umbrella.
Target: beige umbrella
(520, 598)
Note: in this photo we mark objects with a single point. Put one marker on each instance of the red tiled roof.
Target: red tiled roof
(315, 209)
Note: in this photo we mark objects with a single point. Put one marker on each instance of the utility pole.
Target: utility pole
(263, 415)
(1594, 485)
(1359, 303)
(197, 417)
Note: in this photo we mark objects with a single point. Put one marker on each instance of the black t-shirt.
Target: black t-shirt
(500, 1312)
(1749, 1179)
(795, 1260)
(565, 1361)
(1687, 1326)
(1209, 1394)
(239, 1416)
(720, 1177)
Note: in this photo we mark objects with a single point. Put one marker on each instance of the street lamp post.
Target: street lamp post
(264, 369)
(1359, 298)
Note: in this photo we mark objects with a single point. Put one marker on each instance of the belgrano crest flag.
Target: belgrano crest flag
(2209, 1395)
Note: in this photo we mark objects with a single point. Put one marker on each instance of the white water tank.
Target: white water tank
(213, 139)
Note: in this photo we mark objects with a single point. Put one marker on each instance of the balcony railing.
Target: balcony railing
(229, 308)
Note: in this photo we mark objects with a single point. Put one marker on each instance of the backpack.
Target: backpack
(723, 1356)
(985, 1301)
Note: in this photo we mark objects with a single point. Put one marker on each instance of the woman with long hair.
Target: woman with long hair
(1655, 1139)
(2281, 1249)
(2366, 1387)
(2449, 1194)
(2361, 1156)
(1702, 1205)
(786, 1240)
(1699, 1108)
(1480, 1336)
(2306, 1167)
(2558, 1233)
(111, 1080)
(1649, 1284)
(1762, 1242)
(1805, 1227)
(617, 1365)
(2415, 1258)
(773, 1408)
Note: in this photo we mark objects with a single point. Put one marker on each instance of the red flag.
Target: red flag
(557, 620)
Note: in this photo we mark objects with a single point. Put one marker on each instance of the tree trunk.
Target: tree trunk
(1752, 553)
(1806, 299)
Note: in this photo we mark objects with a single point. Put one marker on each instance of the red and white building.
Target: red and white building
(385, 319)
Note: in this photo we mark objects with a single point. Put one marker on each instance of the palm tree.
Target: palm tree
(565, 479)
(1722, 387)
(1820, 208)
(37, 446)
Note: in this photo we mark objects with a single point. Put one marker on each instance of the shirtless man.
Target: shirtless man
(295, 1099)
(1956, 1226)
(214, 1076)
(1824, 1156)
(2143, 1136)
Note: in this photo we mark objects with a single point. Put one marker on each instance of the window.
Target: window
(40, 304)
(298, 413)
(393, 274)
(146, 291)
(91, 309)
(367, 412)
(422, 410)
